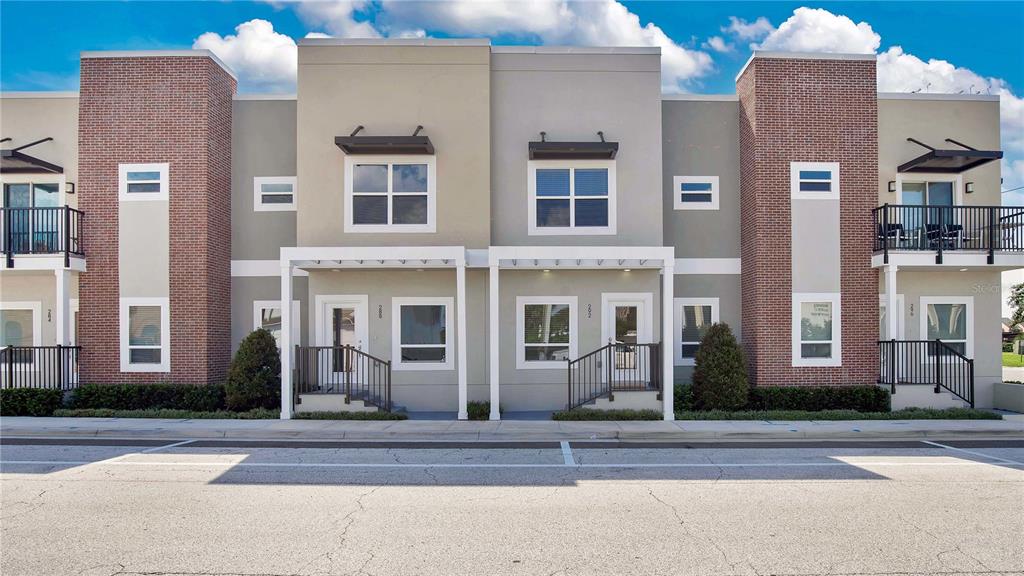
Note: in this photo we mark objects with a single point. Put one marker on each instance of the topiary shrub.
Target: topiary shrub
(720, 375)
(29, 401)
(196, 398)
(254, 378)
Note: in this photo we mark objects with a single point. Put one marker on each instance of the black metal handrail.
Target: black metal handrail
(931, 362)
(612, 368)
(56, 230)
(938, 229)
(52, 367)
(343, 370)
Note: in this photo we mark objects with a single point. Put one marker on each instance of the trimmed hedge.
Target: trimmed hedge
(796, 415)
(259, 414)
(30, 401)
(480, 410)
(350, 416)
(580, 414)
(202, 398)
(815, 398)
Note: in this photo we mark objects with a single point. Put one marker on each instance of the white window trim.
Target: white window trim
(794, 180)
(122, 182)
(257, 316)
(925, 177)
(521, 302)
(923, 313)
(165, 335)
(257, 193)
(677, 337)
(396, 334)
(429, 227)
(837, 328)
(37, 329)
(531, 212)
(677, 183)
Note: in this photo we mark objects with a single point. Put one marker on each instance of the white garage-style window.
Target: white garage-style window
(546, 331)
(145, 335)
(143, 181)
(814, 180)
(571, 197)
(273, 193)
(421, 333)
(817, 330)
(693, 317)
(695, 192)
(390, 194)
(266, 314)
(950, 319)
(21, 326)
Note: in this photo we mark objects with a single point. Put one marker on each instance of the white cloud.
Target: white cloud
(818, 30)
(717, 44)
(338, 18)
(263, 59)
(744, 30)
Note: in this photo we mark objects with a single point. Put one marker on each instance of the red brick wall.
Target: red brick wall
(795, 110)
(158, 109)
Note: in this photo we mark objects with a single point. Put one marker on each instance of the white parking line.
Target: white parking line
(482, 465)
(972, 452)
(158, 448)
(567, 454)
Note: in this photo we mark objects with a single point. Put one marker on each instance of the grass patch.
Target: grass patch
(1012, 360)
(904, 414)
(257, 414)
(350, 416)
(581, 414)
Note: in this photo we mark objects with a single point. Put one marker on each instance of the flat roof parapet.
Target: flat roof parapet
(196, 53)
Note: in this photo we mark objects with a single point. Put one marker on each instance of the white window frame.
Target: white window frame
(677, 337)
(794, 180)
(165, 335)
(396, 334)
(521, 303)
(837, 328)
(390, 160)
(257, 193)
(122, 182)
(257, 316)
(926, 177)
(923, 313)
(37, 329)
(571, 229)
(677, 191)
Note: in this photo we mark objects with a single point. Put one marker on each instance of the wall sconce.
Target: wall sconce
(892, 186)
(69, 188)
(969, 187)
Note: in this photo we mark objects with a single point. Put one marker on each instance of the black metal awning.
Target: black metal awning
(14, 161)
(545, 150)
(415, 144)
(953, 161)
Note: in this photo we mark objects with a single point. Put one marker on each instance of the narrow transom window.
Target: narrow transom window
(421, 333)
(693, 318)
(384, 194)
(695, 192)
(814, 180)
(143, 181)
(571, 197)
(816, 330)
(274, 193)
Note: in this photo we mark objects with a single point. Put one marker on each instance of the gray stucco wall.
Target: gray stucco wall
(725, 287)
(263, 144)
(246, 290)
(815, 247)
(144, 249)
(701, 138)
(571, 97)
(41, 288)
(28, 117)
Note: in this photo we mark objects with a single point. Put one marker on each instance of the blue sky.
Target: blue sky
(943, 46)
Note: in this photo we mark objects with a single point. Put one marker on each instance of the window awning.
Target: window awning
(415, 144)
(545, 150)
(14, 161)
(951, 161)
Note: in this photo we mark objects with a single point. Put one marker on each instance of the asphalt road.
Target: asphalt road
(105, 507)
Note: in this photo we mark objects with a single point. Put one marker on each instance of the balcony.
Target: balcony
(55, 231)
(957, 235)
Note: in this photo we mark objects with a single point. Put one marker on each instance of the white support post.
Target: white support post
(891, 311)
(460, 303)
(667, 333)
(492, 342)
(286, 340)
(63, 307)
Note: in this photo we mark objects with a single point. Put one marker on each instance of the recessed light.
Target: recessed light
(335, 269)
(627, 269)
(419, 269)
(963, 269)
(547, 270)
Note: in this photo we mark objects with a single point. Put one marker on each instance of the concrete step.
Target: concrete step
(628, 400)
(923, 396)
(331, 403)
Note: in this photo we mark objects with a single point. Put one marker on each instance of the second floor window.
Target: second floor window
(390, 194)
(143, 181)
(571, 197)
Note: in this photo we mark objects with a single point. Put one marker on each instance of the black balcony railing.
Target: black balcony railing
(56, 230)
(940, 229)
(613, 368)
(343, 370)
(932, 362)
(52, 367)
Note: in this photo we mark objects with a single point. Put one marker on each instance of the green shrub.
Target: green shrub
(30, 401)
(683, 398)
(480, 410)
(254, 378)
(593, 414)
(258, 414)
(813, 398)
(1007, 346)
(720, 374)
(796, 415)
(350, 416)
(193, 398)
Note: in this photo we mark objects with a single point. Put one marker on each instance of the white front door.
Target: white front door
(340, 321)
(626, 321)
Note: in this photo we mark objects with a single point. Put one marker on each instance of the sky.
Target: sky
(925, 46)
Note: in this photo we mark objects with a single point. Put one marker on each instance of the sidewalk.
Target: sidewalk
(510, 430)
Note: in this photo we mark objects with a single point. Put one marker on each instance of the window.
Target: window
(420, 333)
(145, 335)
(575, 197)
(274, 193)
(34, 230)
(695, 192)
(21, 325)
(142, 182)
(814, 180)
(266, 314)
(950, 319)
(390, 194)
(693, 317)
(817, 332)
(545, 331)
